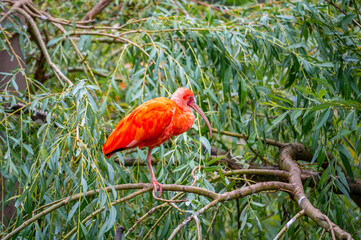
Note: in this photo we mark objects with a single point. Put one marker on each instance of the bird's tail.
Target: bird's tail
(108, 155)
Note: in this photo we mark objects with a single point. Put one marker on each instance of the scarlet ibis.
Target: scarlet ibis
(154, 122)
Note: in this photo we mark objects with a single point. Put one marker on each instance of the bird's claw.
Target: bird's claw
(155, 183)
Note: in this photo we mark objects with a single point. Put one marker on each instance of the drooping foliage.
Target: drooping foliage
(287, 71)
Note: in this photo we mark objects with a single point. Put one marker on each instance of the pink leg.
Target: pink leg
(154, 180)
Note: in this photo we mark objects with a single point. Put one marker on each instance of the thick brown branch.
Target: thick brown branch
(148, 187)
(209, 5)
(288, 154)
(255, 188)
(279, 174)
(238, 193)
(275, 174)
(97, 9)
(261, 173)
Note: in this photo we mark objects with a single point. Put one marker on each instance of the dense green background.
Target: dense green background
(284, 70)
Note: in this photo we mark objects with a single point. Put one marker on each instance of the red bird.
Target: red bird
(154, 122)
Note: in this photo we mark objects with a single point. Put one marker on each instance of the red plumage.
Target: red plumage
(149, 125)
(152, 123)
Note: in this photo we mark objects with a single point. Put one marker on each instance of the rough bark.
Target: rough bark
(288, 156)
(97, 9)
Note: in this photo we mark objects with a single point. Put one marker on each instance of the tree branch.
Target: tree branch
(146, 187)
(267, 141)
(61, 28)
(97, 9)
(338, 8)
(144, 190)
(150, 212)
(288, 156)
(238, 193)
(56, 70)
(289, 223)
(36, 114)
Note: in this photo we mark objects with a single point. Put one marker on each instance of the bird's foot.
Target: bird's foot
(155, 183)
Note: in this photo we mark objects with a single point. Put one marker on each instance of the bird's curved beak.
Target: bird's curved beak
(199, 110)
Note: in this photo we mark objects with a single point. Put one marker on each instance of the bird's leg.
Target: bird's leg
(154, 180)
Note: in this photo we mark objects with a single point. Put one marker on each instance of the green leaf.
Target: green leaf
(279, 119)
(347, 19)
(84, 184)
(295, 115)
(325, 64)
(72, 211)
(103, 106)
(115, 85)
(293, 73)
(93, 105)
(242, 92)
(315, 155)
(110, 172)
(179, 168)
(206, 144)
(54, 41)
(214, 160)
(342, 188)
(346, 159)
(82, 41)
(109, 222)
(226, 81)
(320, 106)
(152, 54)
(323, 118)
(29, 149)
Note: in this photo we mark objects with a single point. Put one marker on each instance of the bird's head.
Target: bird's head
(184, 97)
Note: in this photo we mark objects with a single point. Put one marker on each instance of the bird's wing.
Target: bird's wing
(146, 123)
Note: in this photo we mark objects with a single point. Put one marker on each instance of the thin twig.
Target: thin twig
(148, 213)
(14, 7)
(331, 228)
(338, 8)
(268, 141)
(85, 64)
(112, 36)
(289, 223)
(187, 220)
(198, 227)
(103, 208)
(100, 74)
(235, 194)
(156, 223)
(212, 221)
(56, 70)
(193, 176)
(36, 114)
(168, 201)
